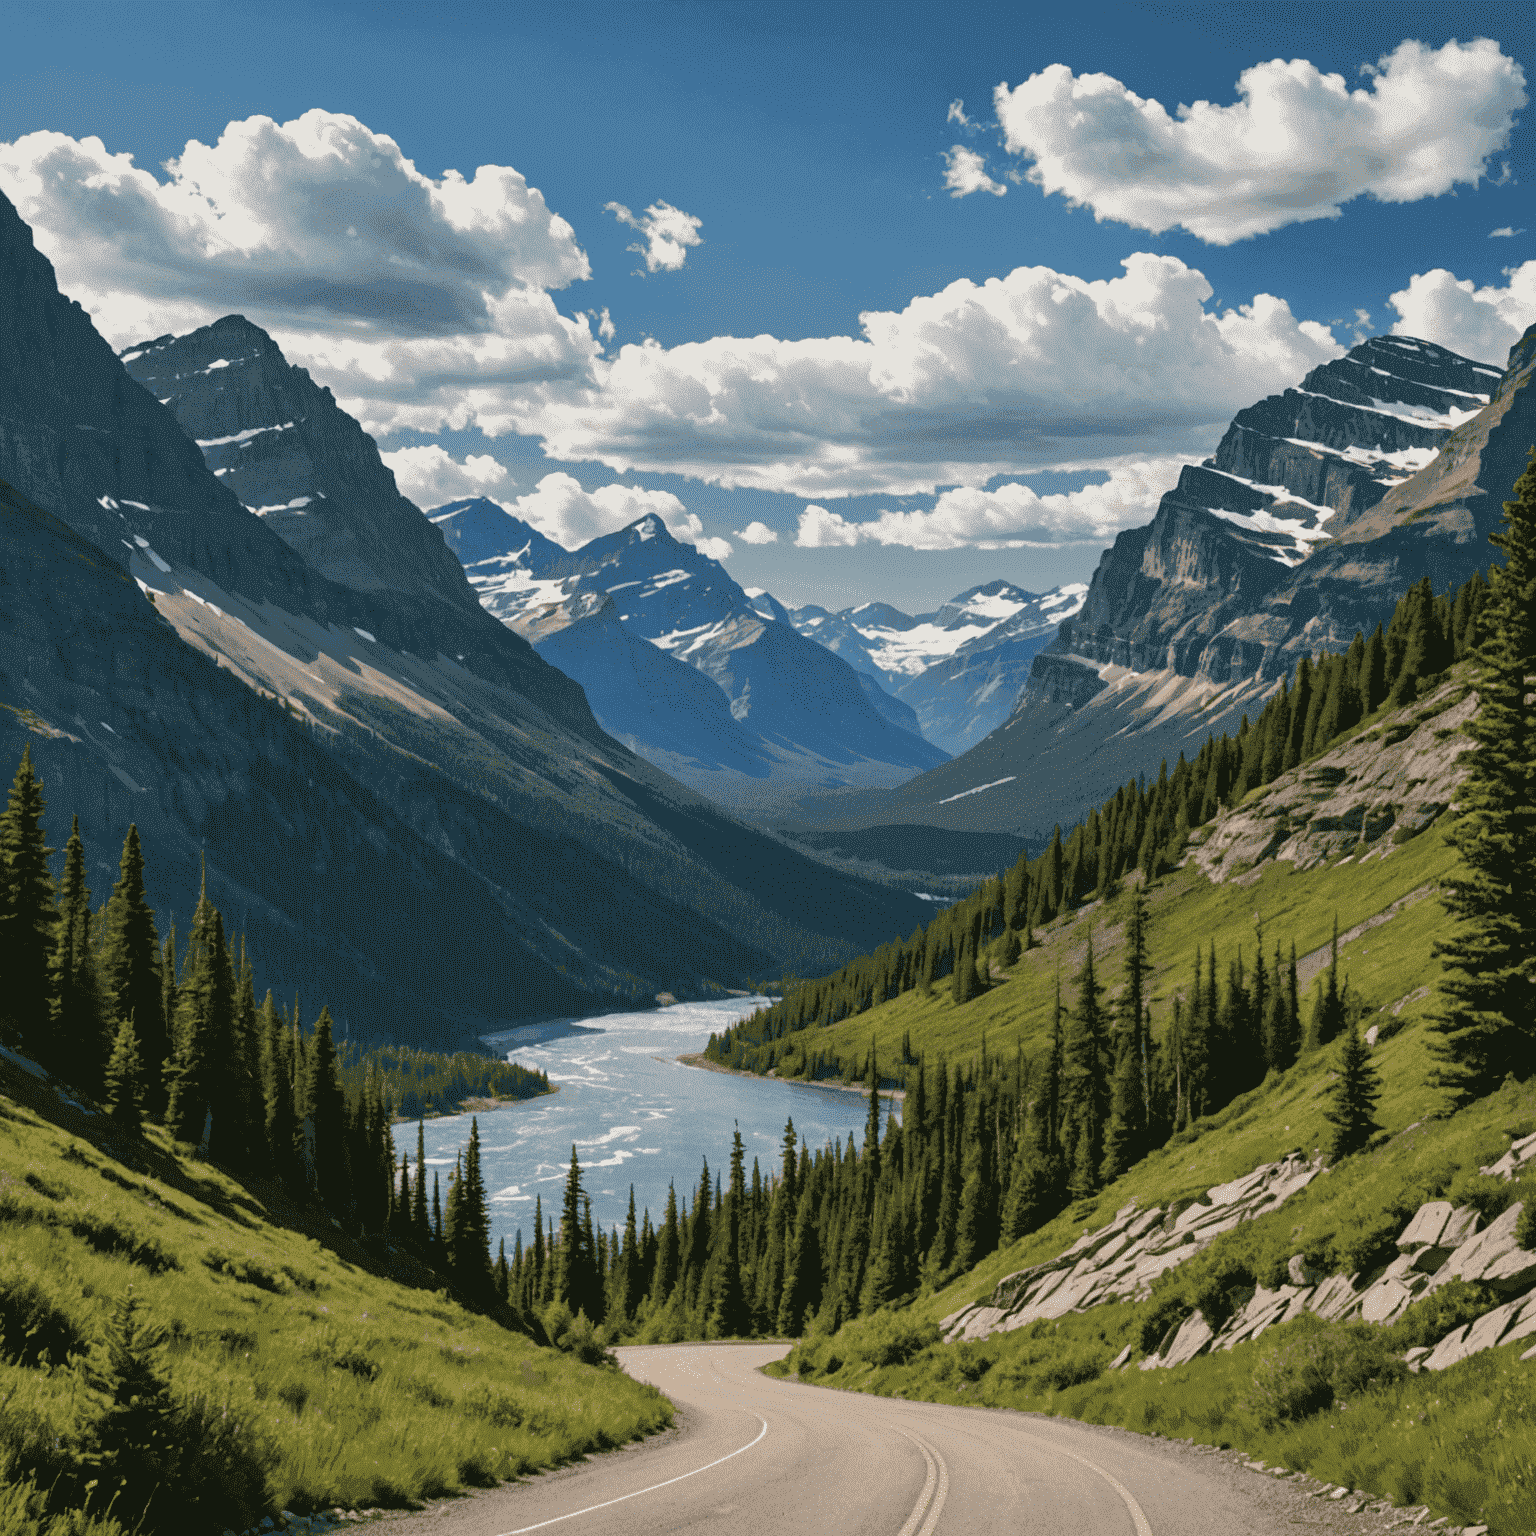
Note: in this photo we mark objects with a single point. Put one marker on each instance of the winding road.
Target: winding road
(762, 1457)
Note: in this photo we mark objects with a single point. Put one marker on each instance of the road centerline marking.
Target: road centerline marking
(522, 1530)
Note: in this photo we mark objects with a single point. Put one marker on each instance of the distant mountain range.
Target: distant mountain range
(680, 664)
(1320, 507)
(221, 621)
(959, 669)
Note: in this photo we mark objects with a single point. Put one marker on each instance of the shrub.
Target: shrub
(972, 1362)
(243, 1268)
(1488, 1194)
(1076, 1366)
(1316, 1365)
(891, 1338)
(1429, 1319)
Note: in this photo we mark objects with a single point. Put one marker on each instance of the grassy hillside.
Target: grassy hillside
(1332, 1399)
(303, 1370)
(1186, 913)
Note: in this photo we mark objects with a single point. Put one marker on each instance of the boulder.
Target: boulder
(1448, 1351)
(1384, 1300)
(1493, 1256)
(1462, 1225)
(1193, 1338)
(1301, 1272)
(1429, 1221)
(1334, 1298)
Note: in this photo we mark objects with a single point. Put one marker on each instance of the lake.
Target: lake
(635, 1113)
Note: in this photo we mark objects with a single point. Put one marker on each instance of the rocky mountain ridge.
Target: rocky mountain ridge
(1190, 621)
(794, 715)
(296, 459)
(960, 668)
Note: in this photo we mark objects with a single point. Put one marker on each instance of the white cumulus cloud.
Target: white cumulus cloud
(668, 234)
(965, 172)
(1477, 322)
(1012, 516)
(821, 529)
(1508, 232)
(561, 510)
(430, 475)
(421, 301)
(1035, 370)
(1297, 145)
(757, 533)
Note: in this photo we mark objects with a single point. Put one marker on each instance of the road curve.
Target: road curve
(761, 1457)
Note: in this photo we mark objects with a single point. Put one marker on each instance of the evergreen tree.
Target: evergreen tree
(1328, 1011)
(324, 1120)
(729, 1317)
(28, 916)
(1487, 1026)
(280, 1123)
(1086, 1086)
(130, 971)
(123, 1089)
(79, 1039)
(470, 1240)
(133, 1445)
(1125, 1139)
(668, 1254)
(201, 1079)
(419, 1199)
(1351, 1110)
(576, 1265)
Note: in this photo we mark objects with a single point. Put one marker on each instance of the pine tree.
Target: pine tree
(1351, 1110)
(133, 1446)
(729, 1315)
(419, 1224)
(79, 1039)
(1125, 1138)
(576, 1264)
(1328, 1011)
(668, 1254)
(324, 1107)
(470, 1236)
(201, 1076)
(123, 1089)
(28, 916)
(130, 971)
(1487, 1026)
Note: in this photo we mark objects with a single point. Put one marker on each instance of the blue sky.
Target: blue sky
(812, 145)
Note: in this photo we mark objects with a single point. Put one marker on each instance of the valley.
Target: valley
(1187, 911)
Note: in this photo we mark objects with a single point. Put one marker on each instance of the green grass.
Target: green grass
(331, 1382)
(1462, 1441)
(1186, 913)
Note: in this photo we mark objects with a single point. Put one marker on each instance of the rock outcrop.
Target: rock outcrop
(1359, 799)
(1119, 1262)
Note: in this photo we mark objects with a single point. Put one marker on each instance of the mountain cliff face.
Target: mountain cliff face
(959, 669)
(1253, 533)
(503, 824)
(794, 715)
(1319, 509)
(296, 459)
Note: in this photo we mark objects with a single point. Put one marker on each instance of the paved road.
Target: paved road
(760, 1457)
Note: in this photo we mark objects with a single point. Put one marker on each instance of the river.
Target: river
(635, 1114)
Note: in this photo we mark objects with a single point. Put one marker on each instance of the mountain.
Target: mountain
(410, 812)
(790, 716)
(959, 669)
(297, 460)
(1319, 509)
